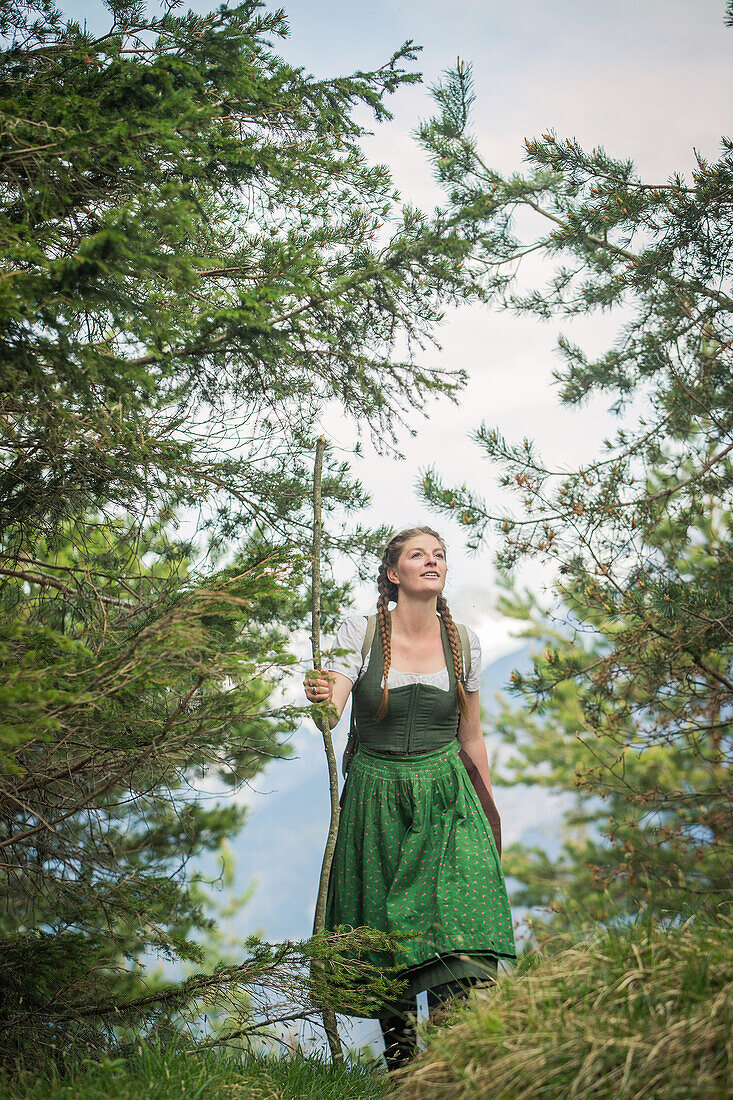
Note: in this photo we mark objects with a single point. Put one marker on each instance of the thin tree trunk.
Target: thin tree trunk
(321, 718)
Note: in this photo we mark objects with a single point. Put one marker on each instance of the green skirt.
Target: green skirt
(415, 854)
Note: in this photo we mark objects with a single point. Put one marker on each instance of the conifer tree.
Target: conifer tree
(631, 695)
(195, 256)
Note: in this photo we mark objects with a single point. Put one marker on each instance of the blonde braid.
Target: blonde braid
(455, 648)
(384, 625)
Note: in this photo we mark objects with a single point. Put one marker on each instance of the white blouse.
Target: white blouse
(350, 637)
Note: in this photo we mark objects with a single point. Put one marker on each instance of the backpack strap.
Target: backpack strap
(368, 638)
(465, 651)
(352, 744)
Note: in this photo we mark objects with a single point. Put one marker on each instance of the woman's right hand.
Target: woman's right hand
(318, 686)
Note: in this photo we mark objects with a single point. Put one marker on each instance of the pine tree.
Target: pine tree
(630, 699)
(195, 256)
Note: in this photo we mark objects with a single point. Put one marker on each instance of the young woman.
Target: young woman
(415, 852)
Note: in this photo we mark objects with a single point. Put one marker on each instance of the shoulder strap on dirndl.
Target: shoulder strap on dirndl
(352, 743)
(465, 651)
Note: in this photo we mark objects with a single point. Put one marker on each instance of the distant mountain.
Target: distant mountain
(495, 676)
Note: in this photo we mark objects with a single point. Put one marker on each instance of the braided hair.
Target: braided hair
(388, 590)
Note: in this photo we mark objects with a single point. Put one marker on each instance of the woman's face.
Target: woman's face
(421, 568)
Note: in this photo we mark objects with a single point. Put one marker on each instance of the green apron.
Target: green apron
(414, 851)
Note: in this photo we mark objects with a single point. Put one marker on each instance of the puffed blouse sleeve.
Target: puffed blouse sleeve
(349, 638)
(473, 680)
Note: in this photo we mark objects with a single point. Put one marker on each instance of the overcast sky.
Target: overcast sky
(646, 79)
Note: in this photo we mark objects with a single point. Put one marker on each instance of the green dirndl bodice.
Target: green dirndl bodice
(414, 851)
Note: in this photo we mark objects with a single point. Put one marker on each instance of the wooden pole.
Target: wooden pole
(321, 719)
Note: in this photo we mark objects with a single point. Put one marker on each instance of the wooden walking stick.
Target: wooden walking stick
(321, 719)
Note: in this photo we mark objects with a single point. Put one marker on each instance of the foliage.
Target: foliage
(637, 1012)
(195, 255)
(158, 1073)
(624, 846)
(630, 698)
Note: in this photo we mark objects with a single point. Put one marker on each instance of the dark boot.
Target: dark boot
(400, 1033)
(442, 997)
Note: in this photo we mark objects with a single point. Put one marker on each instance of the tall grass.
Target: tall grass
(152, 1074)
(638, 1013)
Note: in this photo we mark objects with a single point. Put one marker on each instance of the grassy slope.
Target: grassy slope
(204, 1076)
(640, 1014)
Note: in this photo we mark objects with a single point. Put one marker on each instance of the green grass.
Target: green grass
(205, 1075)
(638, 1014)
